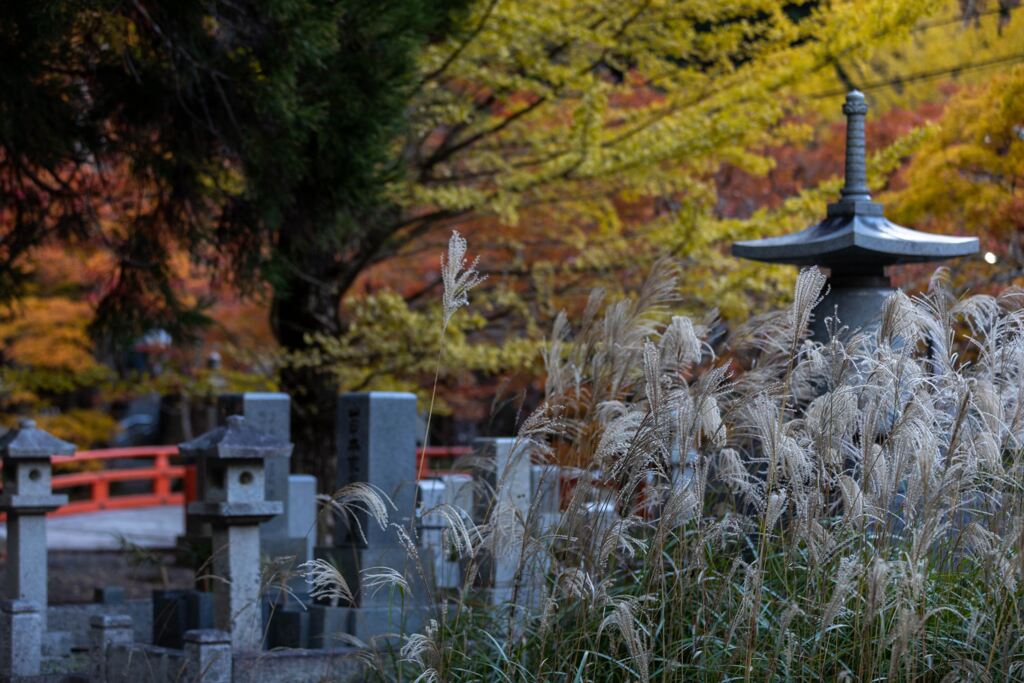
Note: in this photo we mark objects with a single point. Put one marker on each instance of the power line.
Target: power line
(928, 75)
(925, 25)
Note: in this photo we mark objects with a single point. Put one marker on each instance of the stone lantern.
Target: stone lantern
(27, 497)
(855, 242)
(232, 460)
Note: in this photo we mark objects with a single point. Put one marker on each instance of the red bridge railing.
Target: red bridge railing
(433, 455)
(161, 474)
(170, 483)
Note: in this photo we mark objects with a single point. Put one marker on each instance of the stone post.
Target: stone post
(236, 560)
(106, 630)
(21, 641)
(231, 458)
(27, 497)
(208, 656)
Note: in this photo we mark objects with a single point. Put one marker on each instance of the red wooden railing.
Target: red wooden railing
(450, 453)
(163, 474)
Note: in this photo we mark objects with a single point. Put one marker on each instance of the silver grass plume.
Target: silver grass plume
(624, 616)
(326, 582)
(619, 536)
(849, 569)
(775, 507)
(423, 649)
(806, 295)
(457, 277)
(901, 321)
(460, 533)
(375, 579)
(679, 344)
(359, 497)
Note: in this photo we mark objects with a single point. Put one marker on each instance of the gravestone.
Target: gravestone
(231, 459)
(456, 491)
(855, 242)
(176, 612)
(503, 497)
(546, 492)
(377, 435)
(27, 497)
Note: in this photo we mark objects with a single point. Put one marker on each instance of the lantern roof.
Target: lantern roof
(31, 443)
(855, 236)
(237, 440)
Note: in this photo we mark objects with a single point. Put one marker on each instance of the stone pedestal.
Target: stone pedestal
(858, 301)
(21, 639)
(106, 630)
(208, 656)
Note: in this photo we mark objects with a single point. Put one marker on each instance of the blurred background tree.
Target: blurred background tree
(305, 161)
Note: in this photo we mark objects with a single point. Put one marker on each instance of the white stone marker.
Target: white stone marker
(231, 458)
(27, 497)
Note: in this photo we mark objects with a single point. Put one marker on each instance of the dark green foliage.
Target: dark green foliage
(261, 132)
(259, 135)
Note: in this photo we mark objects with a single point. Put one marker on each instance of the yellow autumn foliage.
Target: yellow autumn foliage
(49, 333)
(390, 346)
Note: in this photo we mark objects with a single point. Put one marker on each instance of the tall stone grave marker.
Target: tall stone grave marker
(377, 446)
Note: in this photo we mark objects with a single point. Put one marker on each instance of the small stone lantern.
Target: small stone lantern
(855, 242)
(27, 497)
(231, 459)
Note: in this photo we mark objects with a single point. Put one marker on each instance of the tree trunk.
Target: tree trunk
(309, 303)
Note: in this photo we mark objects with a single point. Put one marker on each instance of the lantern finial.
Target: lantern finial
(856, 187)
